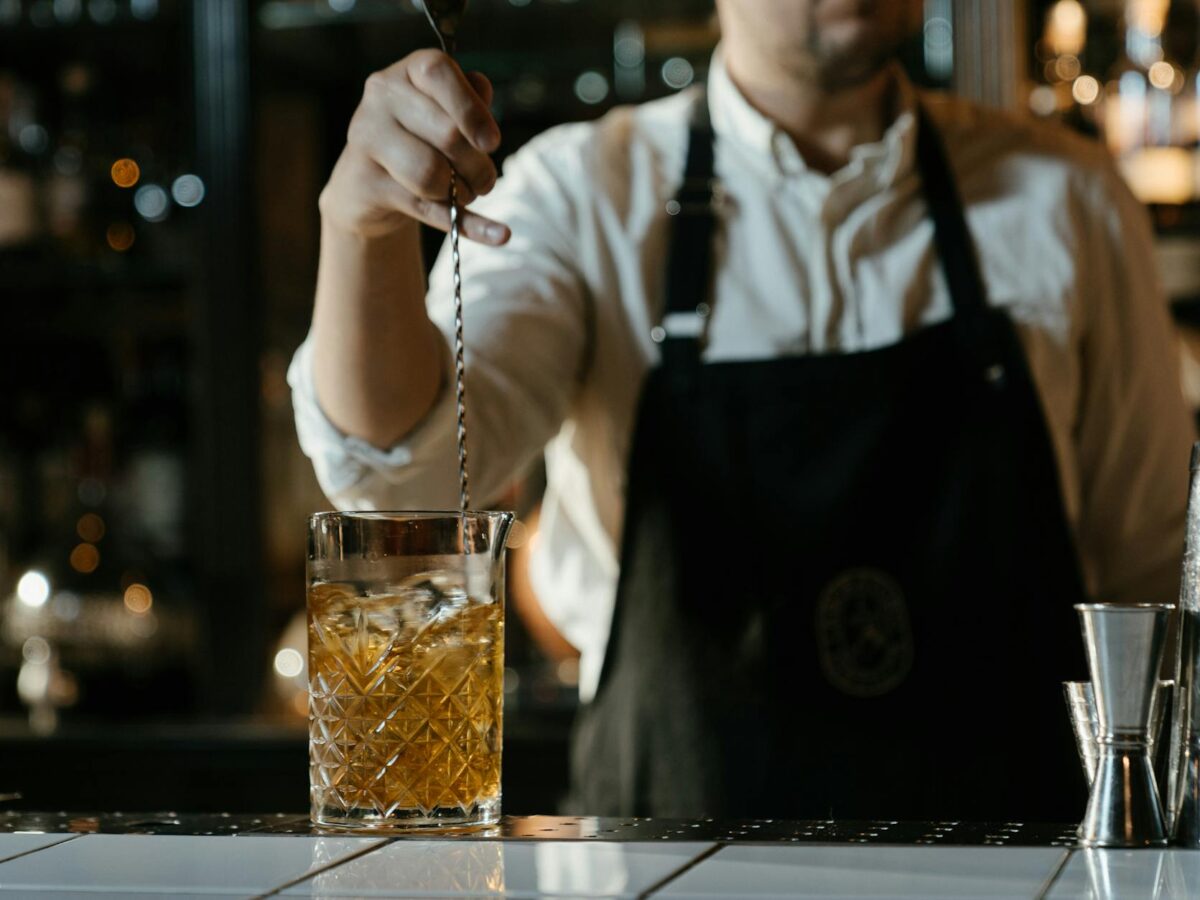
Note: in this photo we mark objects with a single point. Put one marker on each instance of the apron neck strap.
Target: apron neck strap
(689, 255)
(693, 227)
(956, 249)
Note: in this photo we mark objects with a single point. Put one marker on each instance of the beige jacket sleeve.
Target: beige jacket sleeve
(1134, 432)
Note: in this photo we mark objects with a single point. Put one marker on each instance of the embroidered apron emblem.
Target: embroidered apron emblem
(864, 636)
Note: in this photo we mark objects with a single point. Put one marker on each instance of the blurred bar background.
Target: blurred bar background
(160, 162)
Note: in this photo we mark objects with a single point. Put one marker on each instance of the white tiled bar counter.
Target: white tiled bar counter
(125, 855)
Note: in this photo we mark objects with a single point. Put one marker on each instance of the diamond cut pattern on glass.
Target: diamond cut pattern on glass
(404, 718)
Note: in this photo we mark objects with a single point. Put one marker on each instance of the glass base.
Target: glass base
(359, 819)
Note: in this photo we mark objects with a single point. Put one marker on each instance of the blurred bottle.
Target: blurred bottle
(153, 480)
(66, 13)
(43, 685)
(1069, 92)
(1060, 51)
(143, 10)
(67, 189)
(10, 13)
(20, 133)
(10, 494)
(1148, 117)
(1138, 100)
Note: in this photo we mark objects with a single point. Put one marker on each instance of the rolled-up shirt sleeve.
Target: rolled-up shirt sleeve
(355, 474)
(1134, 431)
(526, 329)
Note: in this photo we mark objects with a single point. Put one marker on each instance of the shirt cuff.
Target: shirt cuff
(349, 468)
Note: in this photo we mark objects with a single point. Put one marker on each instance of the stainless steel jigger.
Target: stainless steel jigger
(1124, 648)
(1081, 708)
(1183, 788)
(1184, 797)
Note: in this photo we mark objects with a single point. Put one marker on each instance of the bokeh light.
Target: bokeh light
(151, 202)
(1162, 75)
(1066, 27)
(102, 11)
(629, 51)
(90, 528)
(120, 236)
(1085, 90)
(34, 139)
(67, 12)
(1067, 68)
(36, 650)
(288, 662)
(1042, 100)
(85, 558)
(517, 535)
(33, 589)
(677, 73)
(125, 173)
(188, 190)
(591, 87)
(138, 599)
(143, 9)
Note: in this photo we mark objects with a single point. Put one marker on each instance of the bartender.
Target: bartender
(847, 394)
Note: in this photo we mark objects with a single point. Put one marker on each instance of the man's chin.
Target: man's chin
(851, 41)
(841, 72)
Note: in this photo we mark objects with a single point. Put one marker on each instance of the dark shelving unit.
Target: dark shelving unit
(160, 336)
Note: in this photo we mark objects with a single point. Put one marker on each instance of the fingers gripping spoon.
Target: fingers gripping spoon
(445, 16)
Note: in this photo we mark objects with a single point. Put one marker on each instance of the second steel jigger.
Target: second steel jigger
(1081, 708)
(1124, 649)
(1183, 791)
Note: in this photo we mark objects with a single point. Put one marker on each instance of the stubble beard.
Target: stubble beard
(834, 67)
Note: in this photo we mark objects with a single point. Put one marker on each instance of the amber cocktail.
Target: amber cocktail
(406, 668)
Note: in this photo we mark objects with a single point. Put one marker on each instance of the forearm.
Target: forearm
(377, 363)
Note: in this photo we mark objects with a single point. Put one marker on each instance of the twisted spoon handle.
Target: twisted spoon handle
(460, 386)
(444, 17)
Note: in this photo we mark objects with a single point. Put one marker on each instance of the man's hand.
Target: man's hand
(417, 119)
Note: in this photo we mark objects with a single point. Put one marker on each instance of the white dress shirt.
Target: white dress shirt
(558, 323)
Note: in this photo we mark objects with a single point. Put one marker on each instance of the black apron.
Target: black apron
(846, 580)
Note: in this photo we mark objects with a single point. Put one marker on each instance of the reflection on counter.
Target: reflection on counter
(343, 866)
(473, 868)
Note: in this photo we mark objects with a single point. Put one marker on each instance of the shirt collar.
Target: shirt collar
(883, 162)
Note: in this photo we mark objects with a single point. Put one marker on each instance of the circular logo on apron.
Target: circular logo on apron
(864, 636)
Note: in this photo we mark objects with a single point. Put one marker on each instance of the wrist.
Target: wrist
(370, 227)
(385, 227)
(386, 241)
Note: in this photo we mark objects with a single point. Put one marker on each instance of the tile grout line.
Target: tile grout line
(1048, 884)
(671, 876)
(313, 873)
(66, 839)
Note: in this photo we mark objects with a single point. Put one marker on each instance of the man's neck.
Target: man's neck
(825, 124)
